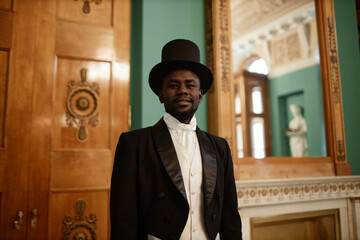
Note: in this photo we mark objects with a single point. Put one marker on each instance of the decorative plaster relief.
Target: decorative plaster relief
(265, 192)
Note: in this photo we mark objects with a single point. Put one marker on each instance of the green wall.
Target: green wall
(155, 22)
(302, 87)
(349, 60)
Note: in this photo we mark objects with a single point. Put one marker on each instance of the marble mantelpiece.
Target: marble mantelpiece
(263, 198)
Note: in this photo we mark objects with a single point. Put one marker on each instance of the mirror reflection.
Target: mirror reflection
(276, 77)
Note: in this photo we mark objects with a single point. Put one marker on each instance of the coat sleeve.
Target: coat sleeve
(123, 193)
(230, 227)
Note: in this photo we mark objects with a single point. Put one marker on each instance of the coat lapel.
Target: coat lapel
(167, 153)
(209, 165)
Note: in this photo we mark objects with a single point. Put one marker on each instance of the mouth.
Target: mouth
(183, 100)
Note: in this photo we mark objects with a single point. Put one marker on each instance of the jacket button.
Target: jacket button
(162, 196)
(213, 217)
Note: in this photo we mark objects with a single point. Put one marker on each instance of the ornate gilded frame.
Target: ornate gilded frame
(220, 104)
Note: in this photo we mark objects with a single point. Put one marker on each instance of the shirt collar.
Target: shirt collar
(175, 124)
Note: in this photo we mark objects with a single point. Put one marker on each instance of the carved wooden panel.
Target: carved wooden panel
(66, 69)
(93, 222)
(219, 60)
(80, 226)
(98, 12)
(81, 104)
(4, 57)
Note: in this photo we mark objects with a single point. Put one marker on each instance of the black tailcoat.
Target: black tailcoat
(148, 193)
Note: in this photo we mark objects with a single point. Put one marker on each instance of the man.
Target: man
(172, 180)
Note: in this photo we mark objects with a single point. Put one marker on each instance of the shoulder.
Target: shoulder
(216, 140)
(137, 132)
(135, 135)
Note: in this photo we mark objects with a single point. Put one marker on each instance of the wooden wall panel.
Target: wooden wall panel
(84, 41)
(64, 135)
(80, 169)
(6, 25)
(18, 117)
(4, 64)
(6, 4)
(72, 10)
(43, 165)
(97, 203)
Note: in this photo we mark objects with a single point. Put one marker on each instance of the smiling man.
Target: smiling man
(173, 180)
(181, 94)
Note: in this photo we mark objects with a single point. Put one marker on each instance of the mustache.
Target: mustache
(183, 99)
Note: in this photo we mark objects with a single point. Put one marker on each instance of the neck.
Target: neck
(182, 119)
(186, 121)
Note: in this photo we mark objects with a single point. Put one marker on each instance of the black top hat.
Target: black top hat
(180, 54)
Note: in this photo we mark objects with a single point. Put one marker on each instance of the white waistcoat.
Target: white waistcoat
(188, 152)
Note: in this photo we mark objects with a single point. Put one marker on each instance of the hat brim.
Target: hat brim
(159, 71)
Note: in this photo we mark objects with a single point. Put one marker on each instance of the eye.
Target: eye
(172, 85)
(190, 85)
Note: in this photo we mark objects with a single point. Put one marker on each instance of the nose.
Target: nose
(182, 89)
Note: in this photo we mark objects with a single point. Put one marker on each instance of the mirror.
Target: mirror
(276, 64)
(248, 106)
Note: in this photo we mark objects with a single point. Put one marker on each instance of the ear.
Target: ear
(161, 96)
(200, 95)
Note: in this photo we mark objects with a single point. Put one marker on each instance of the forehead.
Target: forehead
(182, 75)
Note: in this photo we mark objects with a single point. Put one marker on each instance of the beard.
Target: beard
(182, 116)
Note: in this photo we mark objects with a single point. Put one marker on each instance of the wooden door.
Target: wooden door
(254, 82)
(16, 72)
(65, 102)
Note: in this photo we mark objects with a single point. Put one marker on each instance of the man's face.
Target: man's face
(181, 94)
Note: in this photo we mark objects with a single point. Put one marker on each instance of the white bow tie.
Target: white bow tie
(183, 132)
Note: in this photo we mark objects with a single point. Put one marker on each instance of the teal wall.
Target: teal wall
(155, 22)
(349, 60)
(302, 87)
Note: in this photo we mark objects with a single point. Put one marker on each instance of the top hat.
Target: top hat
(180, 54)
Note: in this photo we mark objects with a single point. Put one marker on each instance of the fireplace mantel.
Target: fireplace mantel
(268, 198)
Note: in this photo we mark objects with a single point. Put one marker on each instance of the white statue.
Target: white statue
(297, 133)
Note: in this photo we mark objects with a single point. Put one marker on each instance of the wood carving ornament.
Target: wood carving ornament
(82, 105)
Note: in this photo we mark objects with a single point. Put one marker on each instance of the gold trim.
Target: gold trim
(224, 46)
(333, 59)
